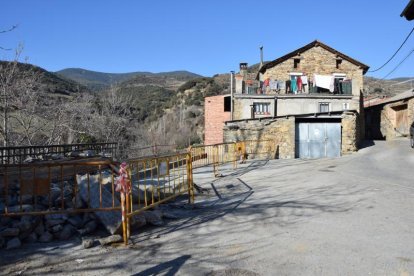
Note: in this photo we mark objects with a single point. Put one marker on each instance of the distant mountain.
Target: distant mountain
(100, 80)
(387, 88)
(402, 79)
(47, 82)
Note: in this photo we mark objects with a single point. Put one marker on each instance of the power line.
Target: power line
(393, 54)
(402, 61)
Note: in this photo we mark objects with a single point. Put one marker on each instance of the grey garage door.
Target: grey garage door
(317, 140)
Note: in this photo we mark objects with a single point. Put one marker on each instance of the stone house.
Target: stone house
(309, 100)
(390, 118)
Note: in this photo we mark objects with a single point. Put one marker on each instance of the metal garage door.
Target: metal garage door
(317, 140)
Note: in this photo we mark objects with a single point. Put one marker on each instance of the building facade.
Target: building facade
(390, 118)
(312, 79)
(316, 88)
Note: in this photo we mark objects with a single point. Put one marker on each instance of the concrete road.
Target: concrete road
(352, 215)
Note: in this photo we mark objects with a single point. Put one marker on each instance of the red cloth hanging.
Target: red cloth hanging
(122, 182)
(299, 83)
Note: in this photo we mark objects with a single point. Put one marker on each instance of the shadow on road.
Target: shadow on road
(169, 268)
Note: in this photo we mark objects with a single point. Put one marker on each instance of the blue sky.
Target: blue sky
(205, 37)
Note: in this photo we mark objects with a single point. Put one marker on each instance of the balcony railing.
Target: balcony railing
(340, 88)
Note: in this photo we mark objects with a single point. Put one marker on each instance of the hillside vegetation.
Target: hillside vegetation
(135, 109)
(46, 81)
(97, 81)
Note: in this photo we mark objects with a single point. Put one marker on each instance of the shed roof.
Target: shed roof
(314, 43)
(402, 96)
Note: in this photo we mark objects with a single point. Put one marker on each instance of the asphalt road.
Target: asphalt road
(352, 215)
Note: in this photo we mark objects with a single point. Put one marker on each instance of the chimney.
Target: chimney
(243, 68)
(261, 56)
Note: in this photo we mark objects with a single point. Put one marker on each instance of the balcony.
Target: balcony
(340, 88)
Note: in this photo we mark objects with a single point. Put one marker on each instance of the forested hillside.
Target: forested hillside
(135, 109)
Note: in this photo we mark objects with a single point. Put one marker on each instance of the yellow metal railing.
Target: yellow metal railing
(231, 152)
(76, 187)
(154, 181)
(45, 188)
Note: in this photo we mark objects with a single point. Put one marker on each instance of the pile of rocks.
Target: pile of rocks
(28, 202)
(30, 229)
(61, 227)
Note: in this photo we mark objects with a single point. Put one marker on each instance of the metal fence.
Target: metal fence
(47, 188)
(154, 181)
(219, 154)
(92, 186)
(17, 155)
(154, 150)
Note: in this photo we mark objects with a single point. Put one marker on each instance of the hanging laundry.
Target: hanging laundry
(293, 84)
(281, 85)
(323, 81)
(266, 82)
(288, 88)
(299, 81)
(273, 84)
(304, 79)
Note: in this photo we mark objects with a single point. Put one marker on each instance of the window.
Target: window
(296, 63)
(323, 107)
(345, 106)
(261, 108)
(227, 104)
(339, 83)
(338, 63)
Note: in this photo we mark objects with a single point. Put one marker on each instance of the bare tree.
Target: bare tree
(8, 77)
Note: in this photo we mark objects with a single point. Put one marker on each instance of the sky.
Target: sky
(204, 37)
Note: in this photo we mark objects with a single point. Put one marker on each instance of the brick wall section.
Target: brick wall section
(214, 118)
(281, 130)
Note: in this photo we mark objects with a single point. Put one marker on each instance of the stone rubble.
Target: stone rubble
(14, 231)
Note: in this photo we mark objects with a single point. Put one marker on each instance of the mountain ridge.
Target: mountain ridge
(96, 80)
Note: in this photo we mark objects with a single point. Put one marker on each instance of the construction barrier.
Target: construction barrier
(154, 181)
(98, 186)
(219, 154)
(37, 189)
(17, 155)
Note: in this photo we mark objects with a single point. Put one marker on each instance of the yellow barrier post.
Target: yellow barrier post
(234, 155)
(124, 218)
(215, 161)
(190, 179)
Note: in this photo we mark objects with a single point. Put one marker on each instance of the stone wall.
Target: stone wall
(388, 119)
(410, 114)
(350, 135)
(214, 118)
(317, 60)
(281, 130)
